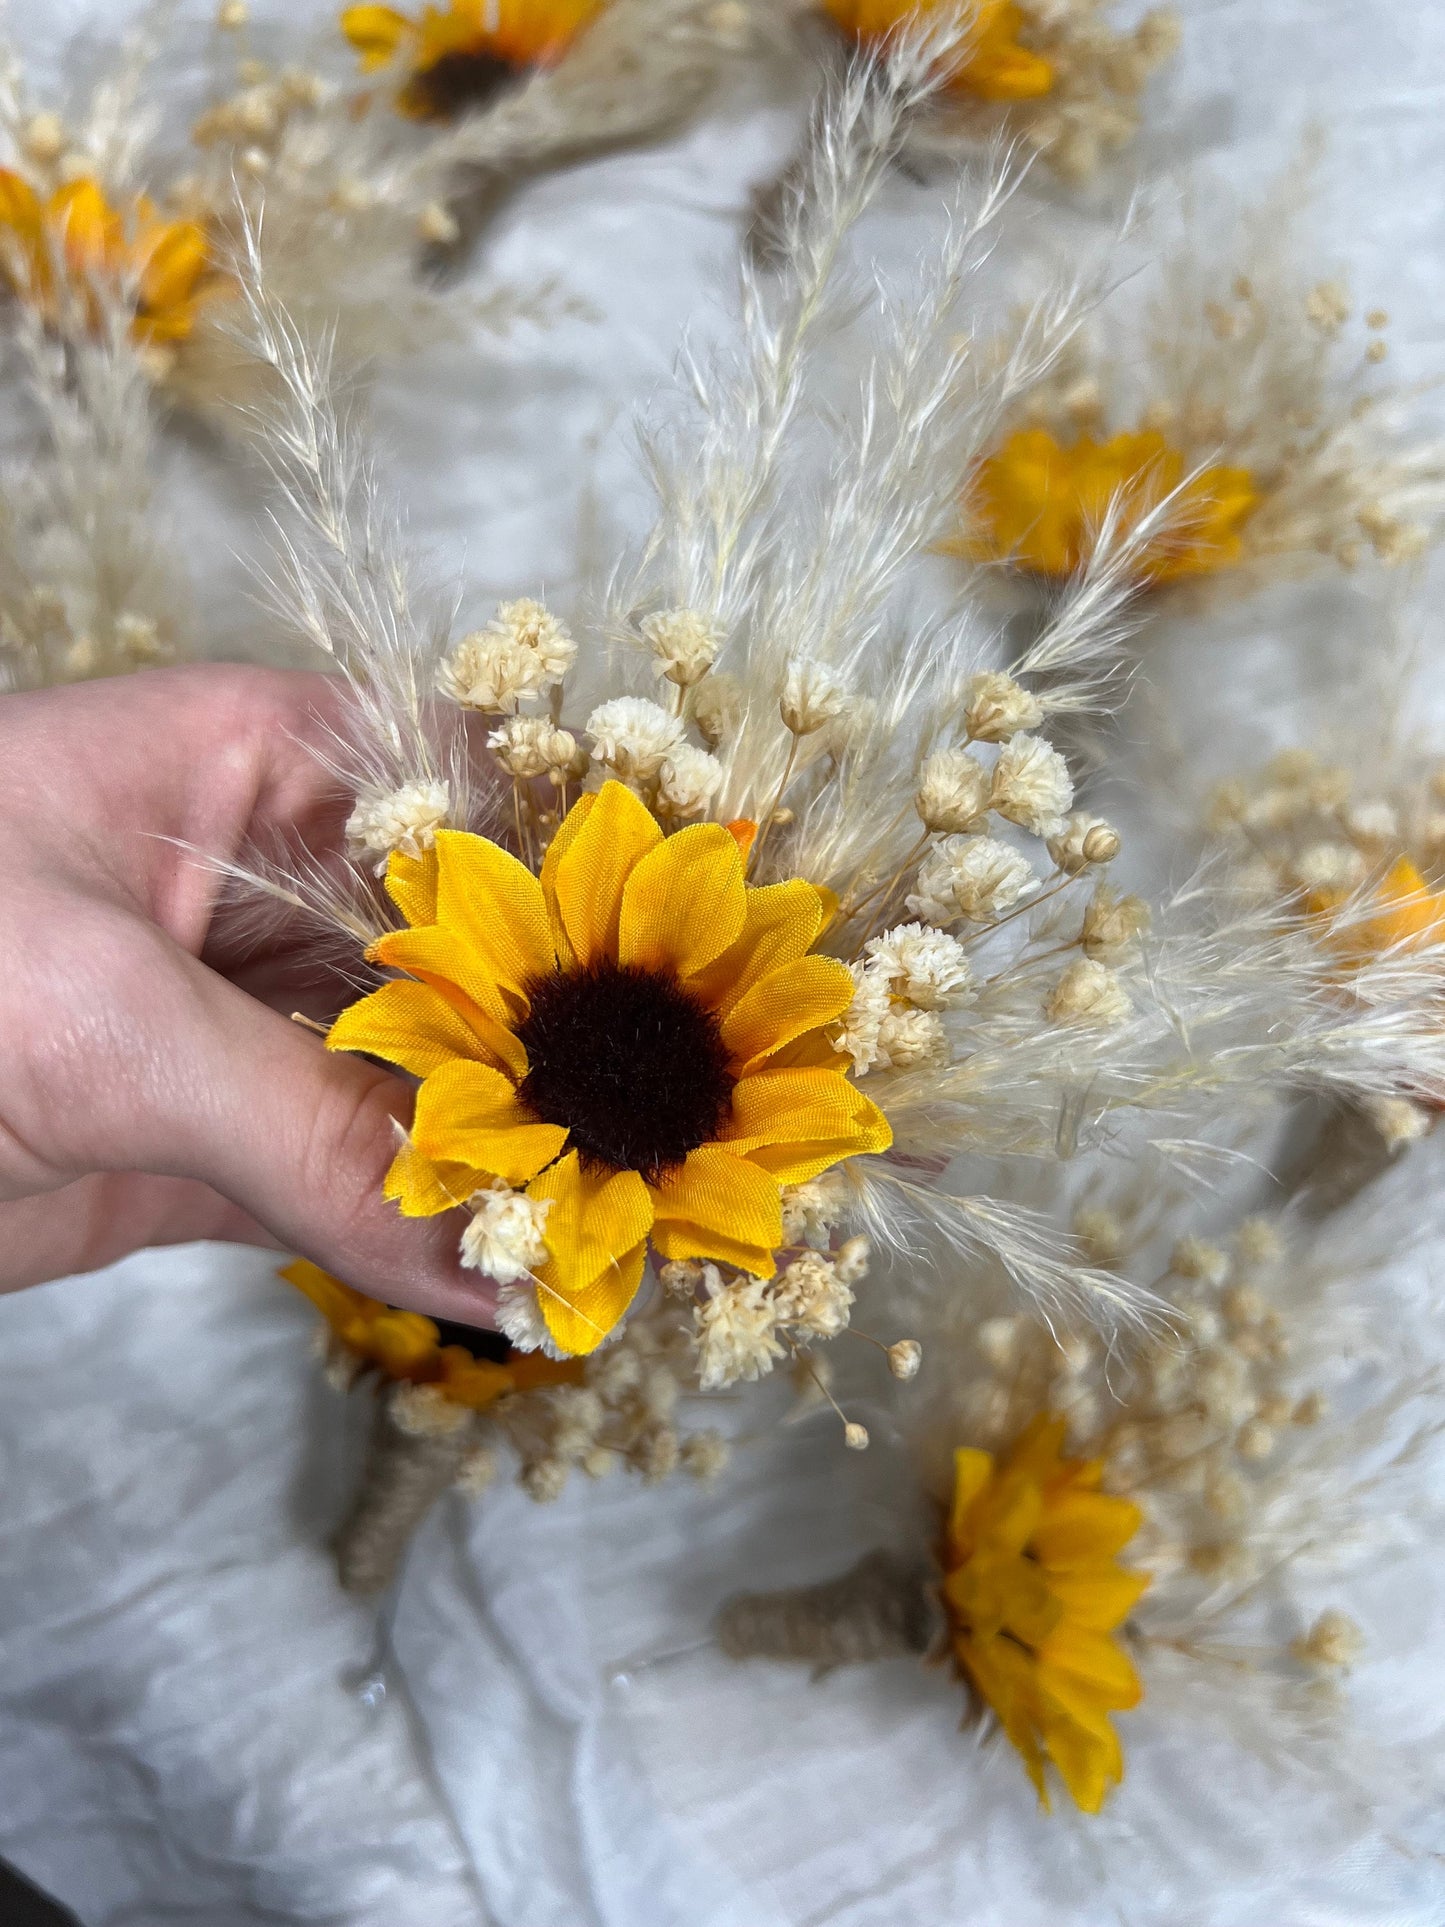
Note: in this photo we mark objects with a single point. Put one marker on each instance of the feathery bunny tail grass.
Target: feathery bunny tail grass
(347, 580)
(91, 577)
(717, 488)
(935, 1228)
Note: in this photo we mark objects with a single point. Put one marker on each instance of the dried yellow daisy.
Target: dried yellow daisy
(1038, 504)
(1033, 1590)
(636, 1039)
(458, 56)
(1411, 914)
(995, 65)
(466, 1367)
(67, 250)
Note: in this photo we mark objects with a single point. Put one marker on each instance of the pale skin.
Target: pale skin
(155, 1089)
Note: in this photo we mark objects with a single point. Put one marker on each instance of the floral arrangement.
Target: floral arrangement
(1105, 1531)
(723, 1007)
(776, 1000)
(1233, 411)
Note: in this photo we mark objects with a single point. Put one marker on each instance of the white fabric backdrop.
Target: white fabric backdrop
(177, 1743)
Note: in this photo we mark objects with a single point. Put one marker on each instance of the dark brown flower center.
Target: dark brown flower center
(456, 84)
(481, 1344)
(629, 1062)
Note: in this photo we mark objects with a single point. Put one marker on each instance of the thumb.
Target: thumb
(227, 1091)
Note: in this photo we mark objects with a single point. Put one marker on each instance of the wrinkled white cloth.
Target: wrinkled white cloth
(180, 1735)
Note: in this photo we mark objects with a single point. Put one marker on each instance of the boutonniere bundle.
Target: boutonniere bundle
(1167, 1528)
(1234, 408)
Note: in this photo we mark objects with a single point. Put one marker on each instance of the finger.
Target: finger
(208, 1084)
(99, 1219)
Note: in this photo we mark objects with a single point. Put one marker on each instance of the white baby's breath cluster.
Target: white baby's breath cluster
(743, 1325)
(624, 1414)
(1309, 827)
(506, 1238)
(404, 820)
(530, 746)
(523, 653)
(637, 741)
(684, 643)
(907, 977)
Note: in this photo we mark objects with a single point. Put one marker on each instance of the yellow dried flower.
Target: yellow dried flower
(410, 1349)
(604, 1038)
(1038, 504)
(68, 250)
(995, 64)
(1033, 1590)
(458, 56)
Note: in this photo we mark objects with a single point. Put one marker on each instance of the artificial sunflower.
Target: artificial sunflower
(995, 66)
(637, 1038)
(1033, 1590)
(69, 247)
(1038, 503)
(460, 55)
(466, 1366)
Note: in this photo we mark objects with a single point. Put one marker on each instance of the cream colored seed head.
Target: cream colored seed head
(904, 1358)
(684, 643)
(232, 15)
(43, 140)
(1088, 994)
(438, 225)
(855, 1437)
(995, 706)
(1254, 1441)
(998, 1340)
(812, 698)
(1334, 1642)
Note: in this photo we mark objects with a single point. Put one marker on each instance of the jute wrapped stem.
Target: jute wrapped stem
(881, 1608)
(406, 1471)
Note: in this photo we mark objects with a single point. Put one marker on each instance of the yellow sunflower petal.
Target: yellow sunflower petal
(1080, 1528)
(972, 1471)
(796, 1123)
(579, 1324)
(473, 1382)
(593, 870)
(375, 32)
(567, 832)
(684, 903)
(494, 905)
(421, 1187)
(172, 261)
(1088, 1763)
(451, 966)
(411, 883)
(331, 1298)
(780, 924)
(1037, 1451)
(88, 226)
(468, 1114)
(1003, 1674)
(795, 998)
(719, 1206)
(1098, 1597)
(19, 203)
(1092, 1664)
(597, 1217)
(418, 1028)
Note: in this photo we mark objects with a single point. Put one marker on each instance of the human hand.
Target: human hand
(152, 1087)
